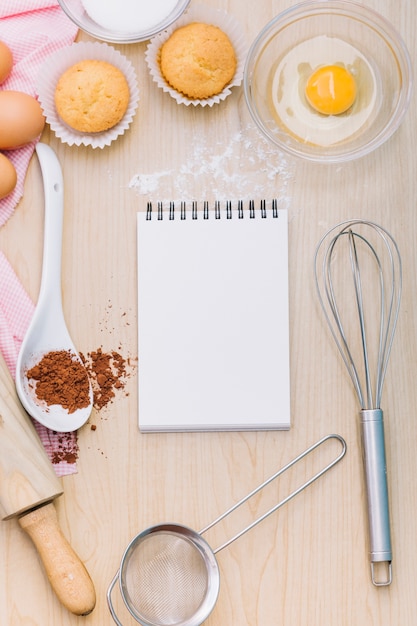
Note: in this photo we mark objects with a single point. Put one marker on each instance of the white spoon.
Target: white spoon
(47, 331)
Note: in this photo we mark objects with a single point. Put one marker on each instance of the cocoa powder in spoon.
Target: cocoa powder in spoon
(61, 379)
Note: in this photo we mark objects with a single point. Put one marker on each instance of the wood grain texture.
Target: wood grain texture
(66, 573)
(307, 564)
(27, 478)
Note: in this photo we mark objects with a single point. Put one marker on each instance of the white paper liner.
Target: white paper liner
(57, 64)
(207, 15)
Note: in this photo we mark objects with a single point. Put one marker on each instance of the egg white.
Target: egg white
(288, 91)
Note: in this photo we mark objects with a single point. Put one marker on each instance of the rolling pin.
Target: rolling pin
(28, 486)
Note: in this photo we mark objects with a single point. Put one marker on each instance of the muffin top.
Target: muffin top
(92, 96)
(198, 60)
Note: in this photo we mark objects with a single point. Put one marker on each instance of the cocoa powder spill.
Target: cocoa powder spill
(108, 374)
(58, 380)
(65, 448)
(61, 379)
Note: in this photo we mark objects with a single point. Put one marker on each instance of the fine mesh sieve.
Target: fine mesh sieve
(169, 574)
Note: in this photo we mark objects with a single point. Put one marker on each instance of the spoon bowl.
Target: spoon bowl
(47, 331)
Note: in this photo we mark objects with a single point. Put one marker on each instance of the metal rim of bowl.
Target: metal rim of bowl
(120, 38)
(371, 18)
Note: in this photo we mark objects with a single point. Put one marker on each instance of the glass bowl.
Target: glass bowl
(315, 33)
(121, 21)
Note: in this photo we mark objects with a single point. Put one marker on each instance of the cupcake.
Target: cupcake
(92, 96)
(200, 58)
(89, 94)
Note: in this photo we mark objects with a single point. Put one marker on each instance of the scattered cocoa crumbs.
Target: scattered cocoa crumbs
(60, 378)
(64, 447)
(108, 374)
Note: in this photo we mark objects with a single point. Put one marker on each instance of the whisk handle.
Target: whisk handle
(377, 490)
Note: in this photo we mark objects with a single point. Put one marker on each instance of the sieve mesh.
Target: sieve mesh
(165, 579)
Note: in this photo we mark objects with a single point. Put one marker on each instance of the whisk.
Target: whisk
(358, 276)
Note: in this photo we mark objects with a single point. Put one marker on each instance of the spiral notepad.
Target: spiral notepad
(213, 323)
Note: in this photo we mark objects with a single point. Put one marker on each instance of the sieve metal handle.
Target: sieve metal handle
(375, 465)
(269, 480)
(109, 600)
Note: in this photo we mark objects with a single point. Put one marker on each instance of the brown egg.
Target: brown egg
(8, 176)
(6, 61)
(21, 119)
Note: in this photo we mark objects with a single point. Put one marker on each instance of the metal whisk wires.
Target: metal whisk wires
(358, 276)
(389, 275)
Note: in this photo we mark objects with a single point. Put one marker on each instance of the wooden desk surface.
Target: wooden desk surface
(308, 563)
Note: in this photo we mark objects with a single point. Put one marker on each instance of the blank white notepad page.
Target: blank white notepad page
(213, 320)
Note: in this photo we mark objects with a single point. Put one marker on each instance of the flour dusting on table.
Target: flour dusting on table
(244, 166)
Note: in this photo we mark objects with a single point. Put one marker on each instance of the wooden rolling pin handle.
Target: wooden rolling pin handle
(66, 573)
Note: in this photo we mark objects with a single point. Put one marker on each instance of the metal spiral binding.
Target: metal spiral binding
(219, 211)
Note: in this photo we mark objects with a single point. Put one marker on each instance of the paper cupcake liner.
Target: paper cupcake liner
(57, 64)
(208, 15)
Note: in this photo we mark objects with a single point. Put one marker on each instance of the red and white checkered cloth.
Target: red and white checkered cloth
(33, 29)
(16, 310)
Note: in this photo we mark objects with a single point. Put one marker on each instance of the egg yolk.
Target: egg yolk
(331, 90)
